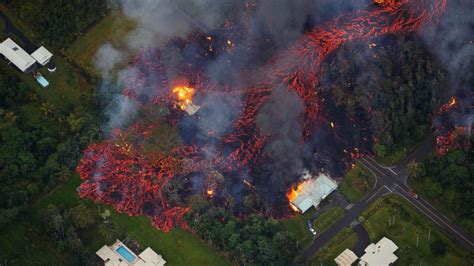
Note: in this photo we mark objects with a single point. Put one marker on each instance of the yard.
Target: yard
(356, 183)
(344, 239)
(111, 29)
(327, 219)
(407, 227)
(25, 237)
(297, 225)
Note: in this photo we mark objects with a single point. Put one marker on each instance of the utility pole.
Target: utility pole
(417, 239)
(429, 233)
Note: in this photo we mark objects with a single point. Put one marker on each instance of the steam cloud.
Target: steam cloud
(452, 42)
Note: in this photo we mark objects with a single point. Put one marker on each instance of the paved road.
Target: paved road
(11, 29)
(393, 180)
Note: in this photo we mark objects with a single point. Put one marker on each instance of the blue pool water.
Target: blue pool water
(41, 80)
(125, 253)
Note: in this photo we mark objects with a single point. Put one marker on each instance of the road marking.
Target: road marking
(375, 194)
(374, 167)
(427, 210)
(391, 170)
(383, 166)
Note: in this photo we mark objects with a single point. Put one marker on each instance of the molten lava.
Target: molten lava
(135, 180)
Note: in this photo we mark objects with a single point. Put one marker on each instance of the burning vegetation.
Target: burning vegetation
(249, 155)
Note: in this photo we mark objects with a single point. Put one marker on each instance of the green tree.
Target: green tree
(438, 248)
(81, 216)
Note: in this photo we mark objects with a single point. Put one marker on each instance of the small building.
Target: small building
(380, 254)
(16, 55)
(42, 56)
(313, 191)
(346, 258)
(192, 108)
(120, 255)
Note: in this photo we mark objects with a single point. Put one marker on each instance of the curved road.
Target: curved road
(394, 180)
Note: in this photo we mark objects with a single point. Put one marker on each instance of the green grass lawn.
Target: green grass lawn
(409, 224)
(325, 256)
(177, 247)
(113, 28)
(356, 183)
(327, 219)
(297, 226)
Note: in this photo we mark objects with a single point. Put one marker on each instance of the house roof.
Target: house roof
(314, 191)
(15, 54)
(346, 258)
(42, 55)
(380, 254)
(150, 258)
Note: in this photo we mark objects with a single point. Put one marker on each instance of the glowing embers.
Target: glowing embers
(185, 99)
(310, 192)
(453, 103)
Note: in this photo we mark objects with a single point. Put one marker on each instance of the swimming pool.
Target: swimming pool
(41, 80)
(125, 253)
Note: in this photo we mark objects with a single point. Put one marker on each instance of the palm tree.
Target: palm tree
(107, 229)
(414, 169)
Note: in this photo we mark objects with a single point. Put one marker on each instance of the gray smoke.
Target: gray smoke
(280, 117)
(106, 58)
(452, 42)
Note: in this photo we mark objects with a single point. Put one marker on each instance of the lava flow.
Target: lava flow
(138, 180)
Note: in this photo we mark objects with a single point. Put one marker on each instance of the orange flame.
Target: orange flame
(453, 101)
(210, 192)
(185, 95)
(294, 192)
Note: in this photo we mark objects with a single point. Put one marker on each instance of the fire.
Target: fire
(210, 192)
(453, 101)
(185, 95)
(295, 191)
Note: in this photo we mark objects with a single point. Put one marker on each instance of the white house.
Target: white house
(16, 55)
(313, 192)
(120, 255)
(346, 258)
(42, 56)
(380, 254)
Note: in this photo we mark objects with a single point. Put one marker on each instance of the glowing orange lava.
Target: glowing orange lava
(210, 192)
(185, 95)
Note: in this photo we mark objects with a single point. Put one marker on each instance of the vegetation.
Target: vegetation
(356, 183)
(396, 85)
(58, 22)
(327, 219)
(88, 221)
(41, 136)
(297, 225)
(253, 240)
(448, 181)
(344, 239)
(418, 239)
(112, 29)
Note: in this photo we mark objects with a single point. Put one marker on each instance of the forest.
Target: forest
(448, 180)
(36, 157)
(250, 240)
(58, 22)
(393, 82)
